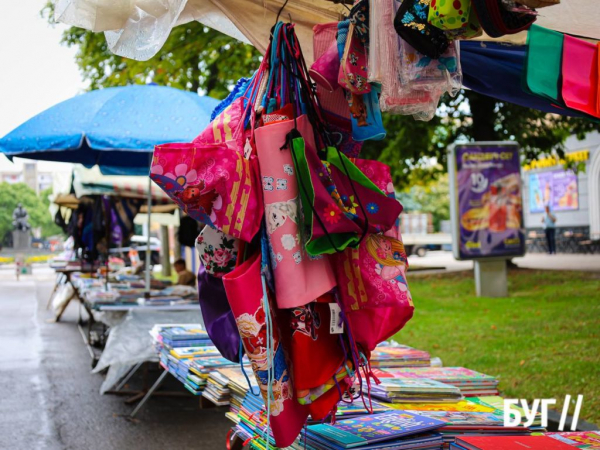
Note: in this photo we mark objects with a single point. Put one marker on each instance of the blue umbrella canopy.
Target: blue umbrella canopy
(115, 128)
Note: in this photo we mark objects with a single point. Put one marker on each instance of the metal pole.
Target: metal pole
(148, 251)
(164, 251)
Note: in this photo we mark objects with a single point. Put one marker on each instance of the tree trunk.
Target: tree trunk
(483, 115)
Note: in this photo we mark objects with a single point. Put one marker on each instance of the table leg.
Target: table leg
(149, 394)
(128, 376)
(56, 284)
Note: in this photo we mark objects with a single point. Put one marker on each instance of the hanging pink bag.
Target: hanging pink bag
(299, 279)
(373, 288)
(372, 278)
(225, 128)
(213, 184)
(580, 75)
(245, 294)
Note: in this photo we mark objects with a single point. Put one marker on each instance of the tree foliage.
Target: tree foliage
(198, 58)
(37, 207)
(194, 58)
(432, 197)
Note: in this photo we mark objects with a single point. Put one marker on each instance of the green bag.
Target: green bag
(543, 63)
(340, 204)
(449, 14)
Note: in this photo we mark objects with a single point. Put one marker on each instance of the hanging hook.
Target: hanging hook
(281, 10)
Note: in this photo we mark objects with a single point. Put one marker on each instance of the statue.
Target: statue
(20, 219)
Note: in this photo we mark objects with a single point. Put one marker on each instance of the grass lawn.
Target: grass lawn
(542, 342)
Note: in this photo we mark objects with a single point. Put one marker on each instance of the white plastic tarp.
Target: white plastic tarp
(129, 341)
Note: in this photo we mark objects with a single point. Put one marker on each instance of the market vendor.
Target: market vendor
(185, 277)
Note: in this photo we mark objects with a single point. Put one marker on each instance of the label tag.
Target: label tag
(336, 325)
(247, 149)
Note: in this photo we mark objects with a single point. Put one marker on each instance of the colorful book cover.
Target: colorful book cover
(461, 406)
(415, 385)
(497, 402)
(511, 443)
(193, 352)
(463, 418)
(184, 333)
(459, 374)
(578, 439)
(364, 430)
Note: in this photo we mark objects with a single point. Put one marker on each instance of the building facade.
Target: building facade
(574, 198)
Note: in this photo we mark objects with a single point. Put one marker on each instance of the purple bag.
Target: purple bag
(218, 318)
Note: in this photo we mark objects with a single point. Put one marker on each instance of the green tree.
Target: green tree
(194, 58)
(432, 197)
(37, 207)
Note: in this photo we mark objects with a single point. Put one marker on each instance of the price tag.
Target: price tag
(336, 324)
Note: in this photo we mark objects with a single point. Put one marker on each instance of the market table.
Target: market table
(65, 274)
(129, 344)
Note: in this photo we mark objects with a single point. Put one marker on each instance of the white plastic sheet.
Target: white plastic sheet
(62, 295)
(129, 342)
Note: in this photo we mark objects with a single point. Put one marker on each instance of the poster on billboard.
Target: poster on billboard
(557, 188)
(486, 206)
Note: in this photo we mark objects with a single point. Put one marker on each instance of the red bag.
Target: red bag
(244, 290)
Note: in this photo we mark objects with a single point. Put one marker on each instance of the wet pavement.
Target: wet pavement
(49, 399)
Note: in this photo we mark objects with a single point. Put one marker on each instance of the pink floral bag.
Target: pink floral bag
(213, 184)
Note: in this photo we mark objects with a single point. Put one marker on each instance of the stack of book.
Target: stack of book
(399, 356)
(217, 390)
(406, 390)
(392, 430)
(238, 389)
(470, 382)
(181, 335)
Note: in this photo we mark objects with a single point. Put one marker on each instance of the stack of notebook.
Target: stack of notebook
(181, 335)
(470, 382)
(406, 390)
(399, 356)
(238, 388)
(391, 430)
(217, 390)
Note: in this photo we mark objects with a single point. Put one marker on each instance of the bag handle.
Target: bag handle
(317, 115)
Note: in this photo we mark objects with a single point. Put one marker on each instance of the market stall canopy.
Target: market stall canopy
(115, 128)
(138, 28)
(87, 182)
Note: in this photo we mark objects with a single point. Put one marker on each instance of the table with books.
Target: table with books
(108, 302)
(414, 405)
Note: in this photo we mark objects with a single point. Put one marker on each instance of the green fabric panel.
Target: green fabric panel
(323, 245)
(544, 60)
(341, 161)
(307, 192)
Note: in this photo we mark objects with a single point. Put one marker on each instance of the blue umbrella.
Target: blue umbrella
(115, 128)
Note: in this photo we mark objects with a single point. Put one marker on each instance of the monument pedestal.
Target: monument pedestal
(21, 240)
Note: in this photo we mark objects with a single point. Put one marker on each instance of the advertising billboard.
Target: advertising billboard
(486, 204)
(557, 188)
